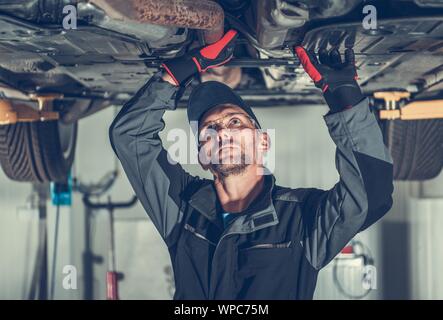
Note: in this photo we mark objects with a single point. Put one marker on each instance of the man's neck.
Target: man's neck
(236, 192)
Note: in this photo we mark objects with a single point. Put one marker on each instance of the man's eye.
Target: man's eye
(235, 122)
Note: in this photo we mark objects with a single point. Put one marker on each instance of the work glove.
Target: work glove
(199, 60)
(337, 79)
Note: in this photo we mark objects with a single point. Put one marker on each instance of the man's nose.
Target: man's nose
(224, 135)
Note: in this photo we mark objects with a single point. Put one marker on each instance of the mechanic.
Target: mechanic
(241, 236)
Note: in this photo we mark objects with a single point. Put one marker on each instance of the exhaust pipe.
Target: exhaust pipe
(204, 15)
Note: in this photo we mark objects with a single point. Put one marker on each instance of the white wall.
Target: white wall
(405, 244)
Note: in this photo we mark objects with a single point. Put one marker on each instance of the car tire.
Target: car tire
(416, 147)
(37, 151)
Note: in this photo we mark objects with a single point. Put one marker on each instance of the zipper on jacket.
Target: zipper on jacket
(269, 245)
(198, 235)
(285, 245)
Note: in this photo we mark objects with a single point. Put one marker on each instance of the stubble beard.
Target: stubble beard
(230, 169)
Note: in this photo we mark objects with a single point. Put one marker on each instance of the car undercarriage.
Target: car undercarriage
(117, 45)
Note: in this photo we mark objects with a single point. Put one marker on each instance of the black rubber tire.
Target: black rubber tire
(416, 147)
(37, 151)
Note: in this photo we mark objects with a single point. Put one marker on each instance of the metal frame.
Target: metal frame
(11, 114)
(415, 110)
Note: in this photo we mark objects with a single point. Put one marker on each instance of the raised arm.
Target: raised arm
(158, 183)
(134, 135)
(364, 192)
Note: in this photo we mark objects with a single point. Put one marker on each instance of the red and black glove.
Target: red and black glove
(201, 59)
(337, 79)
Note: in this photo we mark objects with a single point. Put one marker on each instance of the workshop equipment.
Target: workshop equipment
(112, 276)
(39, 282)
(20, 112)
(61, 195)
(355, 259)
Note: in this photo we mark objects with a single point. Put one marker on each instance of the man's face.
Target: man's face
(228, 140)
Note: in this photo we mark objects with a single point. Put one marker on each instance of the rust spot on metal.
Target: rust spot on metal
(195, 14)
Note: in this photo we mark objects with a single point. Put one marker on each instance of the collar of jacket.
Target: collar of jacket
(205, 201)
